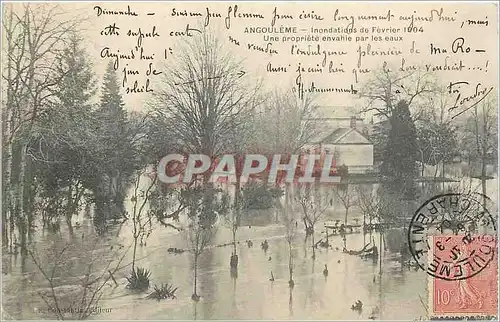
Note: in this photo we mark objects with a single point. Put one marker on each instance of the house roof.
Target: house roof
(338, 136)
(334, 136)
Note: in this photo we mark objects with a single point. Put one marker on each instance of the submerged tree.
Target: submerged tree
(368, 202)
(437, 133)
(482, 132)
(284, 123)
(55, 267)
(203, 203)
(233, 220)
(60, 146)
(141, 216)
(35, 34)
(346, 196)
(115, 147)
(313, 204)
(206, 103)
(290, 223)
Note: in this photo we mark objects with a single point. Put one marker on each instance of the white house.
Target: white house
(348, 144)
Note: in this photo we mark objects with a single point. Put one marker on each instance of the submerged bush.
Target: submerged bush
(139, 279)
(163, 292)
(343, 171)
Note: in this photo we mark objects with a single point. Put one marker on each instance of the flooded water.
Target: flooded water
(392, 290)
(249, 296)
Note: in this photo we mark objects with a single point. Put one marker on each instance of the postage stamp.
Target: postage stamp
(474, 296)
(457, 218)
(452, 237)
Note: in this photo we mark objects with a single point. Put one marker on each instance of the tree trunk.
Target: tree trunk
(134, 252)
(29, 195)
(423, 164)
(236, 219)
(443, 174)
(5, 206)
(483, 180)
(307, 227)
(484, 151)
(195, 273)
(234, 239)
(119, 192)
(7, 128)
(380, 252)
(233, 263)
(290, 262)
(10, 186)
(69, 213)
(32, 103)
(346, 213)
(6, 178)
(20, 200)
(313, 248)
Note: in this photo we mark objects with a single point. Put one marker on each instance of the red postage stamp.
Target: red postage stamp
(464, 280)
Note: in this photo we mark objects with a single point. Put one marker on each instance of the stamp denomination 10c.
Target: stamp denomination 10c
(475, 296)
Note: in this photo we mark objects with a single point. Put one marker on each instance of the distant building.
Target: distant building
(347, 139)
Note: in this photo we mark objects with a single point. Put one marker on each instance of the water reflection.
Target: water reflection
(251, 295)
(234, 306)
(208, 287)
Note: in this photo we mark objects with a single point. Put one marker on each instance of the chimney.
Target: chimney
(353, 122)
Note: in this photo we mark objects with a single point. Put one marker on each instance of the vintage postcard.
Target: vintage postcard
(178, 160)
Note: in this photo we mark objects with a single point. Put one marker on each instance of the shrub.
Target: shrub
(139, 279)
(163, 292)
(276, 192)
(343, 171)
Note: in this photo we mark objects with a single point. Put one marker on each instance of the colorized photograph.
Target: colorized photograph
(217, 160)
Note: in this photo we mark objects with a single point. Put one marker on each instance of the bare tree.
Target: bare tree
(90, 288)
(368, 202)
(285, 123)
(140, 198)
(34, 36)
(313, 207)
(346, 196)
(484, 129)
(389, 85)
(437, 133)
(205, 96)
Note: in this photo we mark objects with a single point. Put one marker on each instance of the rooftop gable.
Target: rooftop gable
(345, 136)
